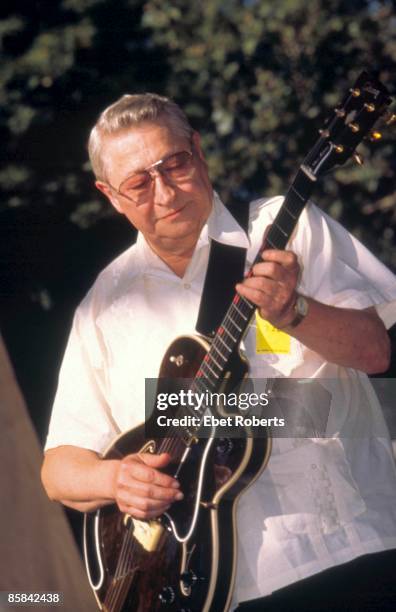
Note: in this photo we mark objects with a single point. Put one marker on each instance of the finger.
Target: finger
(269, 269)
(259, 283)
(143, 514)
(136, 471)
(153, 460)
(285, 258)
(257, 296)
(142, 503)
(151, 491)
(143, 468)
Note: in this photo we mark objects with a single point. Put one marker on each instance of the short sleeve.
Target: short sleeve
(338, 270)
(81, 415)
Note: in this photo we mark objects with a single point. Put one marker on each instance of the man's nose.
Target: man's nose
(164, 191)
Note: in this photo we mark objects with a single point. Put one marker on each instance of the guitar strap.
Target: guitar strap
(226, 267)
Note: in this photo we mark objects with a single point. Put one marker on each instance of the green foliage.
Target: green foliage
(256, 77)
(63, 61)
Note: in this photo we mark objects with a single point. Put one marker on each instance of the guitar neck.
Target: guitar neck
(228, 336)
(343, 131)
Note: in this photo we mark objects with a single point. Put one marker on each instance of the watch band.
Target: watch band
(297, 319)
(300, 308)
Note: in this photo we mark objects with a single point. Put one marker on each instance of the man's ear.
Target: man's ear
(108, 192)
(196, 140)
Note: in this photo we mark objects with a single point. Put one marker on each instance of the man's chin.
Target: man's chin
(178, 229)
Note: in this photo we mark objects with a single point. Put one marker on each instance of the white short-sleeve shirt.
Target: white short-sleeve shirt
(321, 501)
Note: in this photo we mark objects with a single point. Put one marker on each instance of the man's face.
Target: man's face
(175, 212)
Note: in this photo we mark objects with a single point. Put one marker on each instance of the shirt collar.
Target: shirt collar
(222, 227)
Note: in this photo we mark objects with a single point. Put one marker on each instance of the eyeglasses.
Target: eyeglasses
(175, 167)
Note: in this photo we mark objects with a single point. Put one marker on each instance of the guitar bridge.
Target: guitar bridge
(147, 533)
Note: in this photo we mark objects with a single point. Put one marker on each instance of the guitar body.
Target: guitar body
(186, 559)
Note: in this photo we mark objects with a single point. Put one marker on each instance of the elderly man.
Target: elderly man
(321, 502)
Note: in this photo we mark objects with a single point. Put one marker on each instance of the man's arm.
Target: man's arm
(344, 336)
(80, 479)
(348, 337)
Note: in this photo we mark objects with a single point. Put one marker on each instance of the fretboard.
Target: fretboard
(238, 316)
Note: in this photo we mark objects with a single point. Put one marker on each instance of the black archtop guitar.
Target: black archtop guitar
(186, 559)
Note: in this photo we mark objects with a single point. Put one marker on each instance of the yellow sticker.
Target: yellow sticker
(269, 339)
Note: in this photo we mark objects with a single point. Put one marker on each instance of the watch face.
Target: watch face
(301, 306)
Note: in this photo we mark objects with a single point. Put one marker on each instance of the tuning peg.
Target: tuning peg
(355, 92)
(390, 118)
(358, 158)
(354, 127)
(374, 136)
(370, 108)
(324, 133)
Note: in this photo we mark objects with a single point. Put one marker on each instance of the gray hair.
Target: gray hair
(131, 110)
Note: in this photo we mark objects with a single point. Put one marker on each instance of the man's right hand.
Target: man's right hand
(141, 489)
(80, 479)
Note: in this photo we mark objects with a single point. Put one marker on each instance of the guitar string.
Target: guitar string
(111, 598)
(125, 583)
(121, 589)
(128, 575)
(122, 593)
(118, 595)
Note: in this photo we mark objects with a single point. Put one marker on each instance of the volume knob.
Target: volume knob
(189, 579)
(167, 595)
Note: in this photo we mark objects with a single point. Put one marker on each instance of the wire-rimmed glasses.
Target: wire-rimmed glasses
(175, 168)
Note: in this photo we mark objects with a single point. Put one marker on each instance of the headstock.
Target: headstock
(350, 123)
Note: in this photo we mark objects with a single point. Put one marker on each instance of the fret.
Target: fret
(276, 235)
(199, 384)
(226, 345)
(289, 212)
(190, 409)
(230, 334)
(235, 324)
(248, 304)
(285, 222)
(205, 376)
(281, 229)
(216, 362)
(270, 242)
(210, 382)
(239, 311)
(205, 363)
(214, 347)
(298, 194)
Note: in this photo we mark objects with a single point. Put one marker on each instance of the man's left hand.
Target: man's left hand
(272, 286)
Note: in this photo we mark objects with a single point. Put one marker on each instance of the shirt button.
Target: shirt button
(314, 466)
(187, 286)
